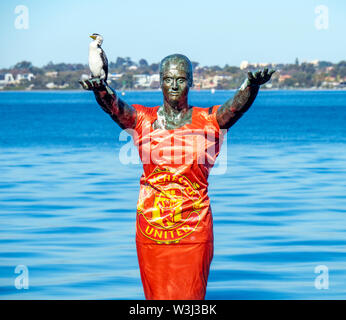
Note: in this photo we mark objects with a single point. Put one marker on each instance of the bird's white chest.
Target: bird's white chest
(95, 61)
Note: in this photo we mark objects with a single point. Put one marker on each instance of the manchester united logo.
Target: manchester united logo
(168, 207)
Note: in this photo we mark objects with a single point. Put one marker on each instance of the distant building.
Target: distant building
(330, 79)
(146, 80)
(283, 77)
(141, 80)
(51, 74)
(330, 84)
(6, 78)
(25, 76)
(244, 64)
(114, 76)
(314, 62)
(154, 81)
(209, 82)
(197, 81)
(52, 85)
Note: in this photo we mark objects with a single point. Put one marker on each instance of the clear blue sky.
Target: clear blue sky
(210, 32)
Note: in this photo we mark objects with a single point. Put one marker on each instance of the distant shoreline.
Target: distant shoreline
(192, 90)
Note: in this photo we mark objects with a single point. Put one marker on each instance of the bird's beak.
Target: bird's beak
(93, 37)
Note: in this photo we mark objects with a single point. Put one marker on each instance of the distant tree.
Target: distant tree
(323, 64)
(39, 82)
(120, 62)
(36, 70)
(342, 64)
(154, 67)
(111, 65)
(340, 70)
(127, 81)
(194, 64)
(143, 63)
(215, 68)
(23, 65)
(60, 67)
(307, 67)
(129, 62)
(229, 69)
(288, 82)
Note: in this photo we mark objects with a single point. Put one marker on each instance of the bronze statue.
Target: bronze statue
(174, 233)
(175, 89)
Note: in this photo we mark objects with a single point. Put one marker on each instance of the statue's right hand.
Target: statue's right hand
(94, 84)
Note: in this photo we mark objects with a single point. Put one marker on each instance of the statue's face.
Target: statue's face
(175, 86)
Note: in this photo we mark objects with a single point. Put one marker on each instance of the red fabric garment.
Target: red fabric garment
(174, 227)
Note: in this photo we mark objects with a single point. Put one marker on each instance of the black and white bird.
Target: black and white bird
(98, 62)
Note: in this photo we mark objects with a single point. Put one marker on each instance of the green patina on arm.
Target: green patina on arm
(121, 112)
(232, 110)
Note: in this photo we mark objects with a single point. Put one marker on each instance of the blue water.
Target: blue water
(67, 204)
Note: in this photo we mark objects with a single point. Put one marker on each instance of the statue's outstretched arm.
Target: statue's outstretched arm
(122, 113)
(232, 110)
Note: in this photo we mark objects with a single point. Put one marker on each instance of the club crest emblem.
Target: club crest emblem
(168, 207)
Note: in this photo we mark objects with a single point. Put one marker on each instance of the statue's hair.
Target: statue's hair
(177, 58)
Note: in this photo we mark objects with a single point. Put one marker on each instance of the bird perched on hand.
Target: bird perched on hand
(98, 62)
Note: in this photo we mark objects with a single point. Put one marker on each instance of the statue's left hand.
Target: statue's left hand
(260, 77)
(95, 84)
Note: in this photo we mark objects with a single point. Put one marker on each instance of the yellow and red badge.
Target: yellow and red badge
(168, 207)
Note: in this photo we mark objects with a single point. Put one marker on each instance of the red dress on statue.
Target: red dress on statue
(174, 226)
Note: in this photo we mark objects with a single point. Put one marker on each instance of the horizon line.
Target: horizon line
(212, 65)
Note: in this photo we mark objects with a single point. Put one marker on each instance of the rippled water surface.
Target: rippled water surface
(67, 204)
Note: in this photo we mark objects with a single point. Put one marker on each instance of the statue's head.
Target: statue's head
(176, 79)
(178, 61)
